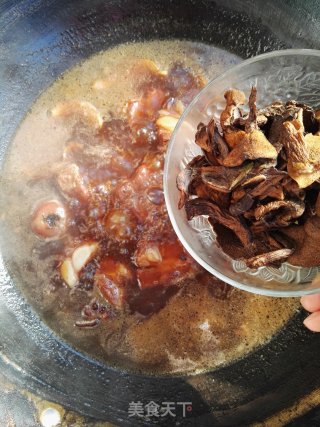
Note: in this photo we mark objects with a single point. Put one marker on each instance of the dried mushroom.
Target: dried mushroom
(199, 206)
(303, 153)
(234, 98)
(268, 258)
(257, 179)
(250, 144)
(186, 176)
(212, 143)
(221, 178)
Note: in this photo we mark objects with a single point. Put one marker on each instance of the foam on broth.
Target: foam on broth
(202, 326)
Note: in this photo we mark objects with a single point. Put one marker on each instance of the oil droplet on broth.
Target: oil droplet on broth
(197, 329)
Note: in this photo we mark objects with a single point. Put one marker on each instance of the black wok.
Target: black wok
(39, 40)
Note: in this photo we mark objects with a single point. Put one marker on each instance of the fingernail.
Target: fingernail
(312, 322)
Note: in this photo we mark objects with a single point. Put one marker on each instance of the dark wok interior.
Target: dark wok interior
(38, 41)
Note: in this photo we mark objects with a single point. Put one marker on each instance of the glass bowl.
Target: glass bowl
(280, 75)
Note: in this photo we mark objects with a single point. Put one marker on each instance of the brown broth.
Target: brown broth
(195, 327)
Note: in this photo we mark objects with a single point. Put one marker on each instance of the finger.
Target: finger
(312, 322)
(311, 302)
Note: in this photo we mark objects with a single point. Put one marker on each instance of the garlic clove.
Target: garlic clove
(167, 122)
(82, 255)
(68, 273)
(153, 254)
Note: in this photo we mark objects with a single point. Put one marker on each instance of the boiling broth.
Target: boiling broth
(201, 324)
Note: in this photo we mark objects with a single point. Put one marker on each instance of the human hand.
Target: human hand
(312, 304)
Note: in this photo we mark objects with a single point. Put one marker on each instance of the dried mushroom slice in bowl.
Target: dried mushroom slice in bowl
(257, 181)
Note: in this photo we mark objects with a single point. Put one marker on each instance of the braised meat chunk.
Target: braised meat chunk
(112, 234)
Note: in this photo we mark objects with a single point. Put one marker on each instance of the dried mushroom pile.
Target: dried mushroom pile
(258, 179)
